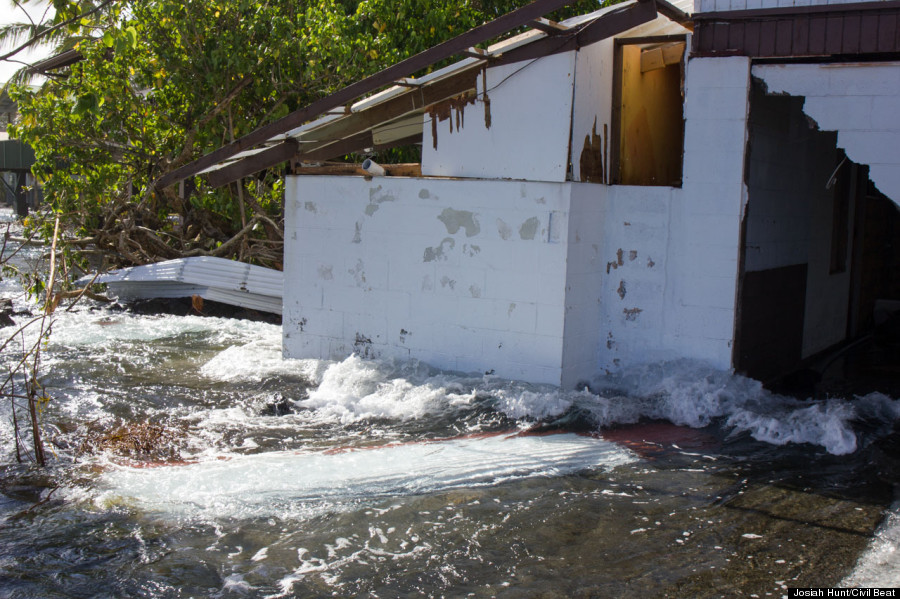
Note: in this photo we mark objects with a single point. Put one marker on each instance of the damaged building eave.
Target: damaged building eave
(860, 28)
(364, 124)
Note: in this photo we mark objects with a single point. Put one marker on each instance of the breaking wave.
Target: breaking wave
(683, 392)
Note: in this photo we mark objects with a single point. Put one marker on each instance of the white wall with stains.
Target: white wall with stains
(537, 281)
(528, 106)
(593, 101)
(467, 275)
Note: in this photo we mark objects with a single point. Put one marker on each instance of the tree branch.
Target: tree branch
(53, 29)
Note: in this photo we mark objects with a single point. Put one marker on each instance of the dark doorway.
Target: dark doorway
(818, 261)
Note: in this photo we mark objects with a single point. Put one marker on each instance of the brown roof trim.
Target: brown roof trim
(388, 76)
(762, 13)
(58, 61)
(834, 30)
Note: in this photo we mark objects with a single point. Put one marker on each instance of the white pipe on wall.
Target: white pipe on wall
(373, 168)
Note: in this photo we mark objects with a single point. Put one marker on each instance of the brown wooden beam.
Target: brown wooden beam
(388, 76)
(548, 27)
(354, 132)
(393, 170)
(253, 164)
(604, 27)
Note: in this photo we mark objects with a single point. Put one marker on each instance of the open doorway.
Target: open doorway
(648, 117)
(820, 269)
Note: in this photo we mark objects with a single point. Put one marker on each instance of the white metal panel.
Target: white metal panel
(530, 108)
(215, 279)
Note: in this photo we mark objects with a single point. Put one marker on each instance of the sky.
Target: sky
(10, 14)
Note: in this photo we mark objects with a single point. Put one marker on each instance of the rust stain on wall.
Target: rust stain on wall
(620, 261)
(631, 313)
(446, 111)
(592, 164)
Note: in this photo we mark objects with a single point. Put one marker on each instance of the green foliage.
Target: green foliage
(166, 81)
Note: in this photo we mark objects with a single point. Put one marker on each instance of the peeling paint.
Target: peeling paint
(376, 198)
(357, 235)
(631, 314)
(448, 282)
(621, 290)
(424, 194)
(619, 261)
(310, 207)
(403, 334)
(504, 230)
(529, 228)
(363, 346)
(454, 220)
(437, 253)
(325, 272)
(475, 290)
(358, 273)
(632, 255)
(511, 309)
(471, 250)
(650, 262)
(592, 162)
(446, 110)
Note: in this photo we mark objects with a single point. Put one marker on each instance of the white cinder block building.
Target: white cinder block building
(636, 184)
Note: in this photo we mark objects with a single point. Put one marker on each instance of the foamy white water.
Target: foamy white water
(683, 392)
(879, 566)
(293, 484)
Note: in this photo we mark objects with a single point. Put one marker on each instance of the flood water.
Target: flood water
(257, 476)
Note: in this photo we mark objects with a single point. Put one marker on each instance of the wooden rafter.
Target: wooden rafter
(353, 132)
(388, 76)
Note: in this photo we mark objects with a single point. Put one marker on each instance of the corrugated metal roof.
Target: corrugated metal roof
(215, 279)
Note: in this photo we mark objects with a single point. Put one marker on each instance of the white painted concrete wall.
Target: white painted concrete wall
(467, 275)
(593, 97)
(705, 219)
(530, 108)
(860, 101)
(543, 282)
(727, 5)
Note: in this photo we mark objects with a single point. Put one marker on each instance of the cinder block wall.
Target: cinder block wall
(467, 275)
(860, 101)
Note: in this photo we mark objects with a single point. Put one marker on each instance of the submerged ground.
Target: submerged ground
(191, 460)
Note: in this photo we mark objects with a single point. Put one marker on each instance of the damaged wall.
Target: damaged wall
(519, 129)
(591, 126)
(860, 101)
(795, 301)
(536, 281)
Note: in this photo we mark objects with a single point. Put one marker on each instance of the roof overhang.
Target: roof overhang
(829, 30)
(392, 116)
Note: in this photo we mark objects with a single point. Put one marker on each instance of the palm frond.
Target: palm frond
(13, 34)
